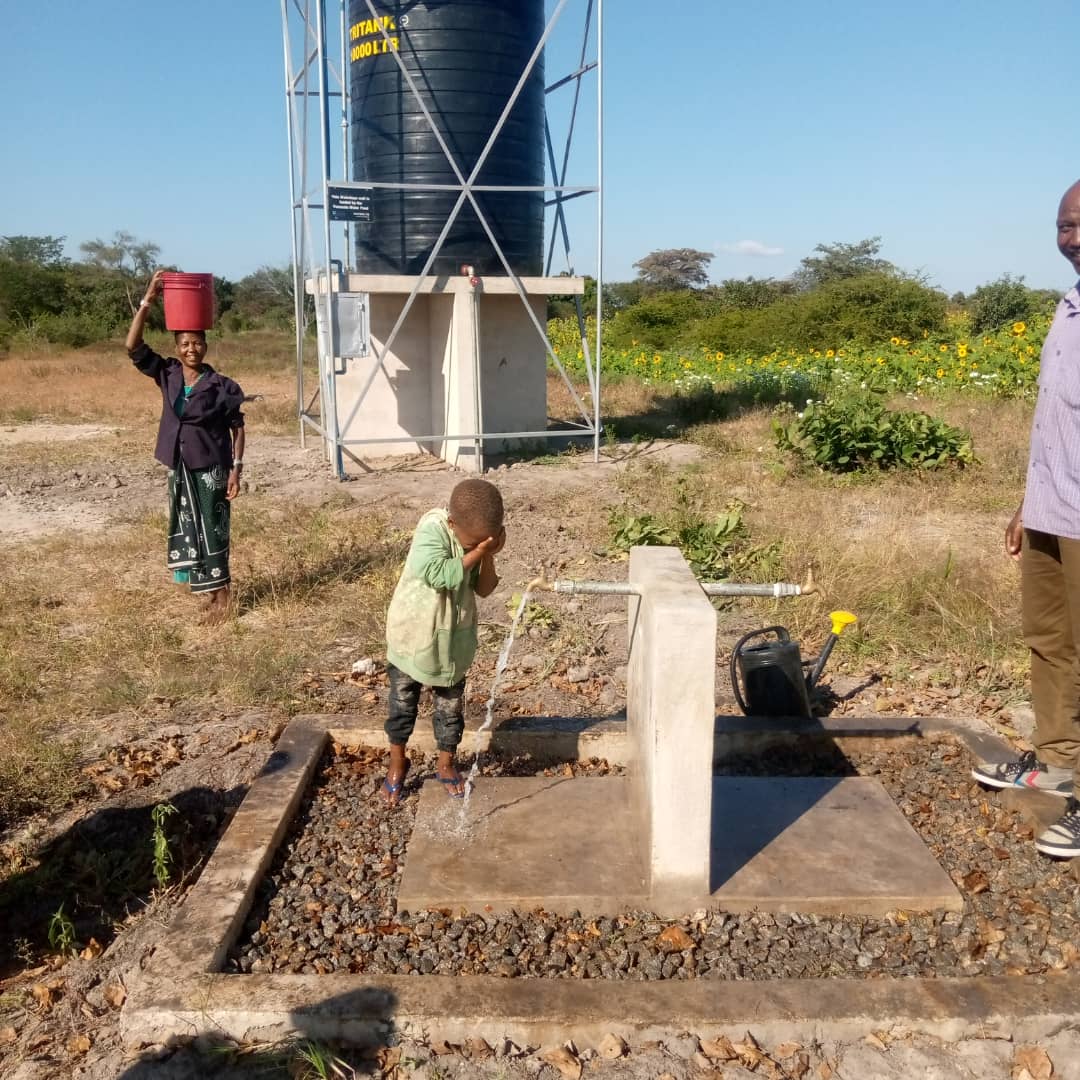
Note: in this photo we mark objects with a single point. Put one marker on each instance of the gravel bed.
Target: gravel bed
(327, 904)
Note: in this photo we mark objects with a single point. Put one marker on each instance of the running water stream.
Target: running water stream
(500, 667)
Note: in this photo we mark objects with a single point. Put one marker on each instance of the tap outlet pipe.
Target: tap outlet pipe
(711, 588)
(607, 588)
(729, 588)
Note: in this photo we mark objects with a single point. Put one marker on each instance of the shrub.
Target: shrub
(860, 433)
(1005, 301)
(871, 307)
(658, 320)
(74, 328)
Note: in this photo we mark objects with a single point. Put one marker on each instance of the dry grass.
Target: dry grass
(99, 385)
(919, 558)
(92, 626)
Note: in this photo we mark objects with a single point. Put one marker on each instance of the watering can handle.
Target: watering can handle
(781, 633)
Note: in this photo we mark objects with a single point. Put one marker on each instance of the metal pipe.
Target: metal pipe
(730, 588)
(612, 588)
(710, 588)
(599, 226)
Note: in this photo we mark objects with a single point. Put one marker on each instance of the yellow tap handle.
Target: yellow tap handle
(840, 619)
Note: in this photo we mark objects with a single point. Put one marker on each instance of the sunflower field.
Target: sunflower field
(1004, 364)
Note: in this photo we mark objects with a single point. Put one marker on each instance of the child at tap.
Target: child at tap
(431, 625)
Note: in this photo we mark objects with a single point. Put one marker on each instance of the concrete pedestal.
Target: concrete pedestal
(466, 360)
(671, 713)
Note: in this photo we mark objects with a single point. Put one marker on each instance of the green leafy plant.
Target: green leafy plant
(637, 530)
(715, 546)
(861, 434)
(163, 856)
(61, 932)
(534, 614)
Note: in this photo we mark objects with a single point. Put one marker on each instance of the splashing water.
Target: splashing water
(500, 667)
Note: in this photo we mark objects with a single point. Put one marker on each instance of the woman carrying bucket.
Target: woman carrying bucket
(200, 437)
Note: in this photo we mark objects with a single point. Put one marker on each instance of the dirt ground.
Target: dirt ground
(58, 1016)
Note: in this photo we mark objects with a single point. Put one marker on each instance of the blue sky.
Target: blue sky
(731, 127)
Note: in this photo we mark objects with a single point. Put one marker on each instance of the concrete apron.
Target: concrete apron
(182, 994)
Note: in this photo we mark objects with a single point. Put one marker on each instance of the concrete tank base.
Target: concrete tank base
(467, 359)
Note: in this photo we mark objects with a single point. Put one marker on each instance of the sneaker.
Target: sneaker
(1063, 837)
(1026, 772)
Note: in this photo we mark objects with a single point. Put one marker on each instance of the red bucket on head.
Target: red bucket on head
(189, 301)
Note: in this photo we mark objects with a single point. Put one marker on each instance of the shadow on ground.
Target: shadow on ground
(83, 884)
(368, 1014)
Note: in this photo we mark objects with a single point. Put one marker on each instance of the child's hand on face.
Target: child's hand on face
(498, 542)
(489, 546)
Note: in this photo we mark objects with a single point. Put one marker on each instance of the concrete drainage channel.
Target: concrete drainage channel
(183, 991)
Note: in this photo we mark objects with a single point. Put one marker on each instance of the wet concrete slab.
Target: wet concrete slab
(557, 843)
(814, 845)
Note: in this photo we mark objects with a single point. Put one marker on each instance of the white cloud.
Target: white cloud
(752, 247)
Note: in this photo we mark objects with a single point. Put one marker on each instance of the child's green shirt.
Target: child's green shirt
(431, 622)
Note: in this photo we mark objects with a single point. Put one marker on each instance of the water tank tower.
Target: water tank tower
(439, 96)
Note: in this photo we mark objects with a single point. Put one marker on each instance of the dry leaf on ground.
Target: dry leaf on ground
(612, 1046)
(389, 1057)
(675, 939)
(93, 950)
(7, 1035)
(564, 1061)
(478, 1049)
(719, 1049)
(79, 1044)
(1034, 1060)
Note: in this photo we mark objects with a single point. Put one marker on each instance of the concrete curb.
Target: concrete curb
(182, 995)
(563, 738)
(538, 1012)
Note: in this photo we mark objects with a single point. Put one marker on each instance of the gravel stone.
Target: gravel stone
(328, 902)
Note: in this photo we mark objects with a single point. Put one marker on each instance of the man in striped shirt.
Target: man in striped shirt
(1044, 535)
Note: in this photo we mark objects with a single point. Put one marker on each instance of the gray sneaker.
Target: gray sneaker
(1026, 772)
(1063, 837)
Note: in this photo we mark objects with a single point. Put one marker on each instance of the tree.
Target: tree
(38, 250)
(123, 254)
(31, 277)
(266, 296)
(838, 262)
(126, 263)
(674, 268)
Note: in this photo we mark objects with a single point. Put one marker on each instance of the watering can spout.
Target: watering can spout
(840, 620)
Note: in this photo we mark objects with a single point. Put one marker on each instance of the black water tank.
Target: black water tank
(465, 57)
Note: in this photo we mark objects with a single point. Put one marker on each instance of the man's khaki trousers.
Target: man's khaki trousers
(1050, 589)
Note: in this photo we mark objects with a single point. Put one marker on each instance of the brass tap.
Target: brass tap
(540, 583)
